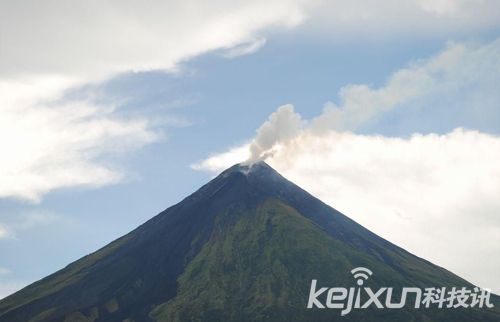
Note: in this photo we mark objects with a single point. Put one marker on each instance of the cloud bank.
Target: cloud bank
(46, 146)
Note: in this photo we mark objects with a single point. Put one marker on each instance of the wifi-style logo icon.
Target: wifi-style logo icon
(361, 274)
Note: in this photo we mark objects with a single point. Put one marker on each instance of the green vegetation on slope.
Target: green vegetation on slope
(260, 269)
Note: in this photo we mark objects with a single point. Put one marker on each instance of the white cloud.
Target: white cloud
(220, 161)
(3, 232)
(362, 19)
(25, 222)
(4, 271)
(246, 49)
(97, 39)
(46, 49)
(401, 187)
(451, 73)
(46, 146)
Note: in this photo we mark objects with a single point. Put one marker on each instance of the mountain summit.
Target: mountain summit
(244, 247)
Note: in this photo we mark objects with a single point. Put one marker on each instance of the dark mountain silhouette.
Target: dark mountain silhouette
(244, 247)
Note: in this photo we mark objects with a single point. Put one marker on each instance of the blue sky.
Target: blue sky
(149, 121)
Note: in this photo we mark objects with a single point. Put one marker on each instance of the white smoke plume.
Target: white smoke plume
(453, 70)
(282, 126)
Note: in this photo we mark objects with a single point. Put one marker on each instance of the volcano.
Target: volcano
(244, 247)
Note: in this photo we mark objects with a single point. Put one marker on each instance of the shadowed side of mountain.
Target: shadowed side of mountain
(140, 268)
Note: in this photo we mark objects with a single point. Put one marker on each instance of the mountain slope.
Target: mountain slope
(244, 247)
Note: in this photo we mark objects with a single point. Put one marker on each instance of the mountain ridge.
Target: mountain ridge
(147, 274)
